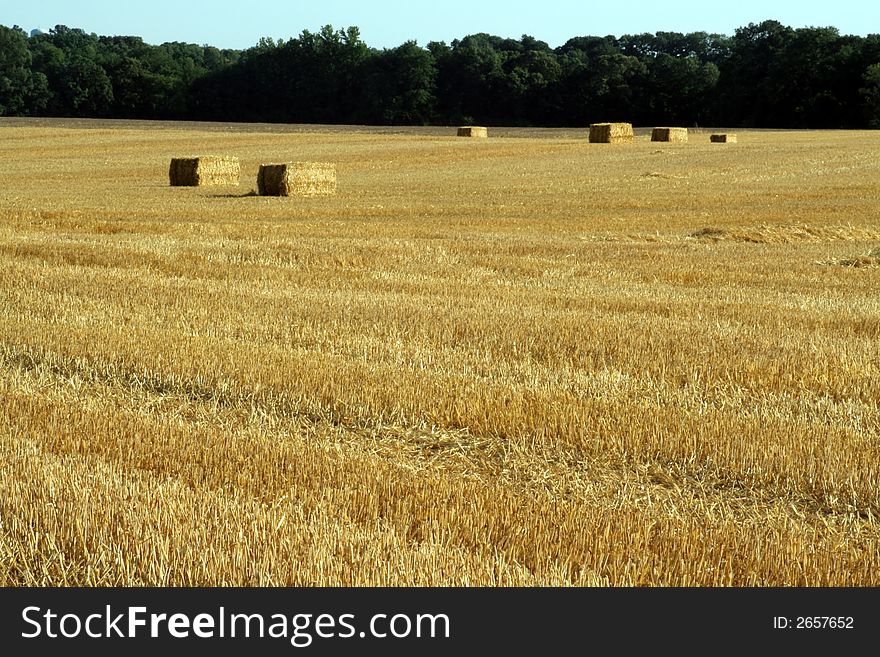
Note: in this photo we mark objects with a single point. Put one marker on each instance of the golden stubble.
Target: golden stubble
(526, 360)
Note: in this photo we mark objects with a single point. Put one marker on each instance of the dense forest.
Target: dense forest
(765, 75)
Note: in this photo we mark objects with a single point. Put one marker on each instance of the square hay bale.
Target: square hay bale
(478, 132)
(679, 135)
(723, 139)
(297, 179)
(611, 133)
(210, 170)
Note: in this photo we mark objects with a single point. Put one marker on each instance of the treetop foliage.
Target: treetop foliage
(765, 75)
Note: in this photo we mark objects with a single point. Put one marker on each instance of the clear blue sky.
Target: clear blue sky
(387, 23)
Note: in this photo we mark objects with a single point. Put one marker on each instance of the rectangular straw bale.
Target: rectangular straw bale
(611, 133)
(473, 131)
(723, 138)
(209, 170)
(297, 179)
(669, 134)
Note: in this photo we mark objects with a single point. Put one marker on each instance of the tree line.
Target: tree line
(766, 75)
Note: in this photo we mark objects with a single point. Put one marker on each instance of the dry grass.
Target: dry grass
(568, 372)
(870, 259)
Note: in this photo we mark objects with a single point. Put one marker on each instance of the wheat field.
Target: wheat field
(528, 360)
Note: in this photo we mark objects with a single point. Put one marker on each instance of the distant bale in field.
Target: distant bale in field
(679, 135)
(611, 133)
(723, 139)
(478, 132)
(211, 170)
(297, 179)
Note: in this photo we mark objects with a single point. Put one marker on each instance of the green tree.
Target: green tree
(766, 75)
(400, 86)
(472, 77)
(681, 89)
(749, 80)
(871, 95)
(78, 83)
(804, 76)
(86, 89)
(529, 90)
(143, 78)
(600, 82)
(22, 91)
(330, 82)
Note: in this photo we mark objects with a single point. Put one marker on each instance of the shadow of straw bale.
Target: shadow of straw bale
(252, 192)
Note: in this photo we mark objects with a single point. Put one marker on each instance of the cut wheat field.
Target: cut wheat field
(522, 361)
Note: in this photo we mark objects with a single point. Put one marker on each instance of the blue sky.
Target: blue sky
(388, 23)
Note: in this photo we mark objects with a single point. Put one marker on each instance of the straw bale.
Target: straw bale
(210, 170)
(669, 134)
(297, 179)
(611, 133)
(723, 139)
(478, 132)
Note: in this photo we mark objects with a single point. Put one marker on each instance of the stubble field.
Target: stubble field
(527, 360)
